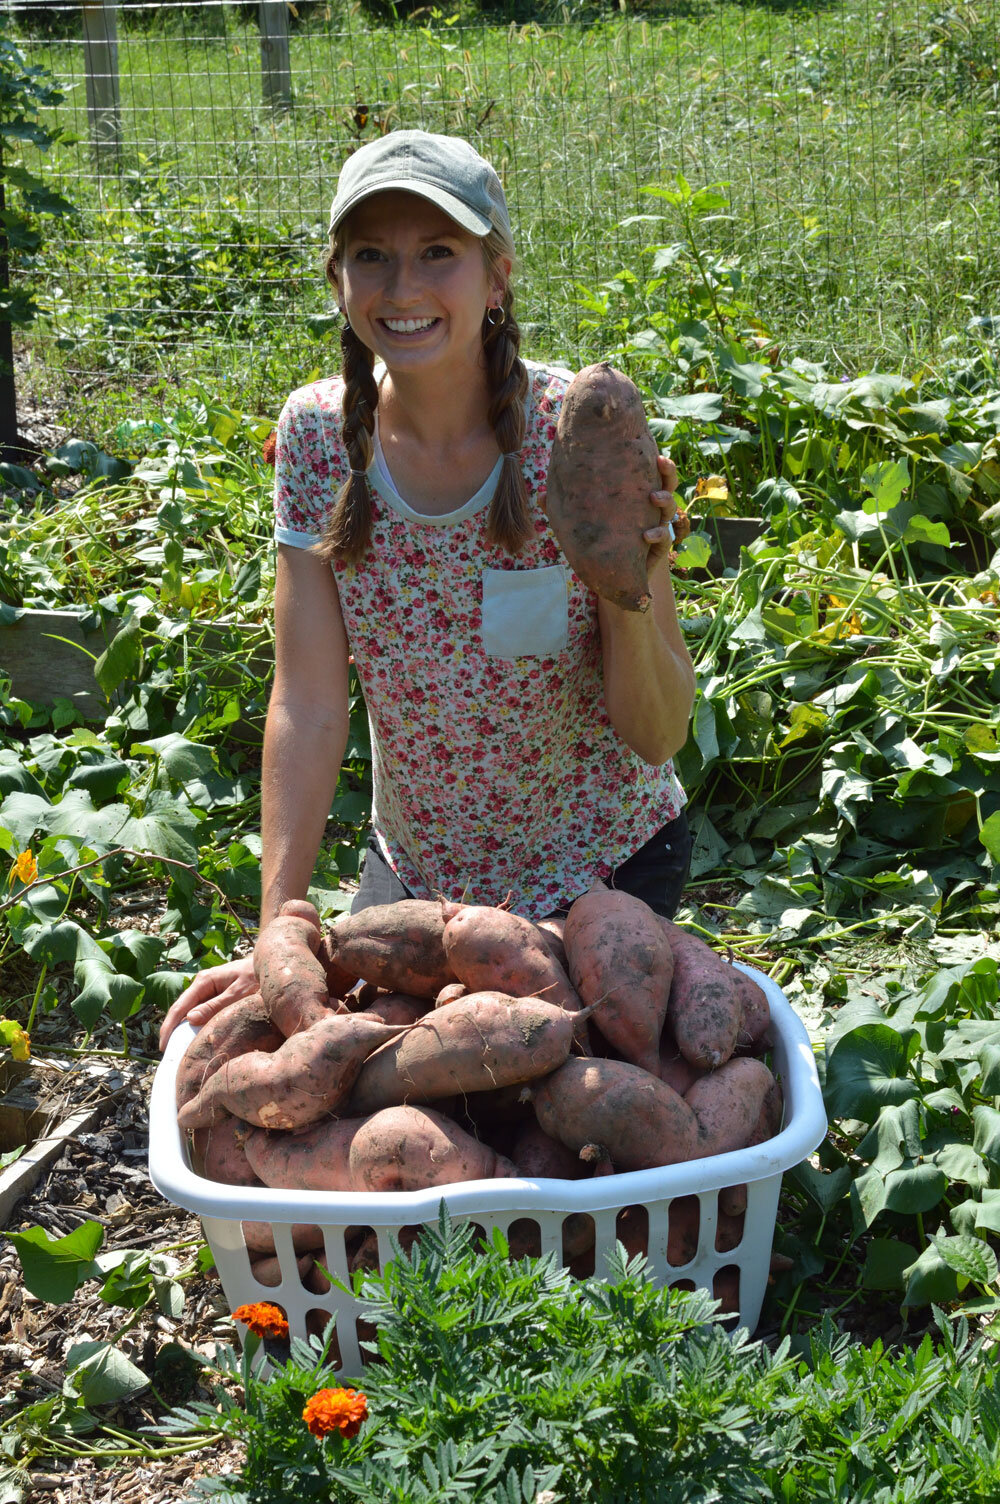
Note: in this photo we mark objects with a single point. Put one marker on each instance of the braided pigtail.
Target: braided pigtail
(348, 532)
(508, 522)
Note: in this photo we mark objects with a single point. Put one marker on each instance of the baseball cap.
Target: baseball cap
(442, 169)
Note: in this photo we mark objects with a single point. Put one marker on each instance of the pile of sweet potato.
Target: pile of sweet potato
(424, 1043)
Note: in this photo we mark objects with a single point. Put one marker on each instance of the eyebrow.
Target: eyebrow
(375, 239)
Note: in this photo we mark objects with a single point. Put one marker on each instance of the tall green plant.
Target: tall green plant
(24, 198)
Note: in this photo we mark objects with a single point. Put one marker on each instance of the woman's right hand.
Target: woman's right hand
(209, 993)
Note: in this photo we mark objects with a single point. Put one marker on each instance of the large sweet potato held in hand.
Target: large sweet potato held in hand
(397, 945)
(310, 1076)
(620, 961)
(641, 1121)
(602, 469)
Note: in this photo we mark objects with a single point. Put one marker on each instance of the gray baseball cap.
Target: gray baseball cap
(442, 169)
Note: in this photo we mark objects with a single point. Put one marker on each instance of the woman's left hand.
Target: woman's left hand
(674, 525)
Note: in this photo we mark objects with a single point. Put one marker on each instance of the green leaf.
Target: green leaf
(930, 1280)
(102, 1374)
(989, 834)
(988, 1212)
(921, 529)
(694, 552)
(703, 407)
(55, 1268)
(94, 972)
(989, 1065)
(129, 1283)
(120, 659)
(986, 1133)
(885, 1261)
(914, 1188)
(968, 1256)
(868, 1070)
(826, 1188)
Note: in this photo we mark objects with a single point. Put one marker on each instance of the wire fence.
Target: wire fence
(860, 141)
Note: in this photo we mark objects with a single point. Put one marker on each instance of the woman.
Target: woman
(522, 728)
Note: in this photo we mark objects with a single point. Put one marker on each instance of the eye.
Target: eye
(439, 252)
(367, 253)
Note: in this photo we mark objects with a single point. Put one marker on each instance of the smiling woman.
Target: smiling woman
(522, 728)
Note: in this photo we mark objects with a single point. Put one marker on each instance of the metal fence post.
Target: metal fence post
(100, 43)
(275, 60)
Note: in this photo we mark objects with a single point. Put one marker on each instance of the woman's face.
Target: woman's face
(413, 284)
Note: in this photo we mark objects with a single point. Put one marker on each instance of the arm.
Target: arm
(304, 740)
(649, 681)
(307, 724)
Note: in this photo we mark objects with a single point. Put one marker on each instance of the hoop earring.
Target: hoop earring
(496, 308)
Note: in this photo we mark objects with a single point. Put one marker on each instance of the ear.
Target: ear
(500, 280)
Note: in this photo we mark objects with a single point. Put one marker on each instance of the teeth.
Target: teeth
(407, 326)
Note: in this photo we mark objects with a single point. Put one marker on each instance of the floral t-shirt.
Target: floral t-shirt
(496, 769)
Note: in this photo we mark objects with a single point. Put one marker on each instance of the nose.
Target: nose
(404, 284)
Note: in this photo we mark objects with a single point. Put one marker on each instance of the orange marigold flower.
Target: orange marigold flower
(264, 1319)
(331, 1410)
(270, 444)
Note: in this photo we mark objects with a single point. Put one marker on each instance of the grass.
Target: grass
(861, 146)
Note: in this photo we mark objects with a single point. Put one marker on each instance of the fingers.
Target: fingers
(668, 472)
(208, 994)
(663, 534)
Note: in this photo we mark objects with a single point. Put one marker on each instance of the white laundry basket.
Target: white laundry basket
(741, 1270)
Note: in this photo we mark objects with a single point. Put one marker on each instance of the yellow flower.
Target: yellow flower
(332, 1410)
(25, 869)
(15, 1038)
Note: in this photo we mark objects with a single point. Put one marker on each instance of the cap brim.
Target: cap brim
(468, 219)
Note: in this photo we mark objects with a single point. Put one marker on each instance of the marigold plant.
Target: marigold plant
(263, 1319)
(330, 1410)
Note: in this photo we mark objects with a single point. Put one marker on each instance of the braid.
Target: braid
(508, 522)
(348, 531)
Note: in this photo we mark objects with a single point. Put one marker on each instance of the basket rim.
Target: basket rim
(805, 1128)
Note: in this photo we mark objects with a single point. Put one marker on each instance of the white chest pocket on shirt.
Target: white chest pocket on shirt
(525, 612)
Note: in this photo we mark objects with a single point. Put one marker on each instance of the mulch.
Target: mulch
(103, 1176)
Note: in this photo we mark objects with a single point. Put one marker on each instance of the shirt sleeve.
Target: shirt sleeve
(309, 464)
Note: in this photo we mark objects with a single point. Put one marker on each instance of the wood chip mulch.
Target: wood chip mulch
(103, 1176)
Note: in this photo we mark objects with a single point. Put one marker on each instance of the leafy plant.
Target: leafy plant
(515, 1383)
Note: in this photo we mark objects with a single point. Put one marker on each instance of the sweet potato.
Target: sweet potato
(602, 468)
(539, 1156)
(267, 1270)
(218, 1152)
(450, 994)
(398, 945)
(727, 1104)
(490, 948)
(316, 1160)
(578, 1236)
(553, 930)
(410, 1148)
(236, 1030)
(310, 1076)
(641, 1121)
(620, 959)
(713, 1006)
(397, 1008)
(259, 1237)
(292, 981)
(483, 1041)
(674, 1069)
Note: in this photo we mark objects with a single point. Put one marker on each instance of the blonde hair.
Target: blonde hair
(508, 522)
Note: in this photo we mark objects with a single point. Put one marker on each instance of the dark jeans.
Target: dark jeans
(656, 873)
